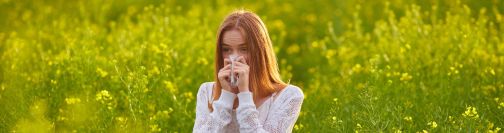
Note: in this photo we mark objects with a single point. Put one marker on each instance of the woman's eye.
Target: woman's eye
(243, 49)
(225, 49)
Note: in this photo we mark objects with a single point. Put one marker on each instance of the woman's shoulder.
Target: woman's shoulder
(205, 87)
(291, 91)
(206, 84)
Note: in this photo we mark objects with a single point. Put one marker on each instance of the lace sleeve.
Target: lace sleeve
(281, 118)
(215, 121)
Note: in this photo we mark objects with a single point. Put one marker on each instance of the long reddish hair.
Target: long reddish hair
(264, 78)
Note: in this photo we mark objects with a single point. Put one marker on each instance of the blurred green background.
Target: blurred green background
(364, 66)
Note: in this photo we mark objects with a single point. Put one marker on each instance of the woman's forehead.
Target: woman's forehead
(233, 38)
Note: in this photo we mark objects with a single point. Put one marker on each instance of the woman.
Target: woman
(260, 101)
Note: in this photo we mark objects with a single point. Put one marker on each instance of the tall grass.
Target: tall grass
(364, 66)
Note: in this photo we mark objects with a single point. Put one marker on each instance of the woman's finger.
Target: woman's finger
(226, 67)
(224, 73)
(240, 64)
(226, 61)
(240, 70)
(242, 60)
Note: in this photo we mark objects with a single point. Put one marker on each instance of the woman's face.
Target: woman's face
(233, 43)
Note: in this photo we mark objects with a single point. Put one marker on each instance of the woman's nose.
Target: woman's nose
(236, 52)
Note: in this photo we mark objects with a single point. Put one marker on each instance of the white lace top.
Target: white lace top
(277, 114)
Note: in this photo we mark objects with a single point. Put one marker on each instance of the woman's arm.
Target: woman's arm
(280, 119)
(215, 121)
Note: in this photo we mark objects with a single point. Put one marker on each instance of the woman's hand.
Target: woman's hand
(224, 77)
(242, 70)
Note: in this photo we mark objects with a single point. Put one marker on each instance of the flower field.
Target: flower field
(364, 66)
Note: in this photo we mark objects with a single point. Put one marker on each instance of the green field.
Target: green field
(364, 66)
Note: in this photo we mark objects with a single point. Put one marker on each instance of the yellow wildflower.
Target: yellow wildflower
(451, 120)
(359, 126)
(103, 96)
(163, 45)
(408, 119)
(298, 126)
(101, 72)
(471, 113)
(496, 130)
(405, 77)
(189, 96)
(61, 118)
(154, 71)
(120, 119)
(357, 68)
(294, 48)
(408, 46)
(202, 61)
(54, 82)
(170, 86)
(453, 71)
(72, 100)
(397, 73)
(335, 99)
(432, 124)
(155, 128)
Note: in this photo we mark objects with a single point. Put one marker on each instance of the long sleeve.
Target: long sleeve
(215, 121)
(281, 118)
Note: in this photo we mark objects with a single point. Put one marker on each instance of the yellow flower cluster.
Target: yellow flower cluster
(298, 126)
(294, 49)
(104, 97)
(358, 127)
(432, 124)
(471, 113)
(72, 100)
(161, 114)
(101, 72)
(189, 96)
(154, 71)
(170, 86)
(402, 76)
(406, 77)
(496, 130)
(500, 104)
(357, 68)
(454, 70)
(490, 70)
(451, 119)
(408, 119)
(155, 128)
(121, 119)
(490, 128)
(397, 130)
(54, 82)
